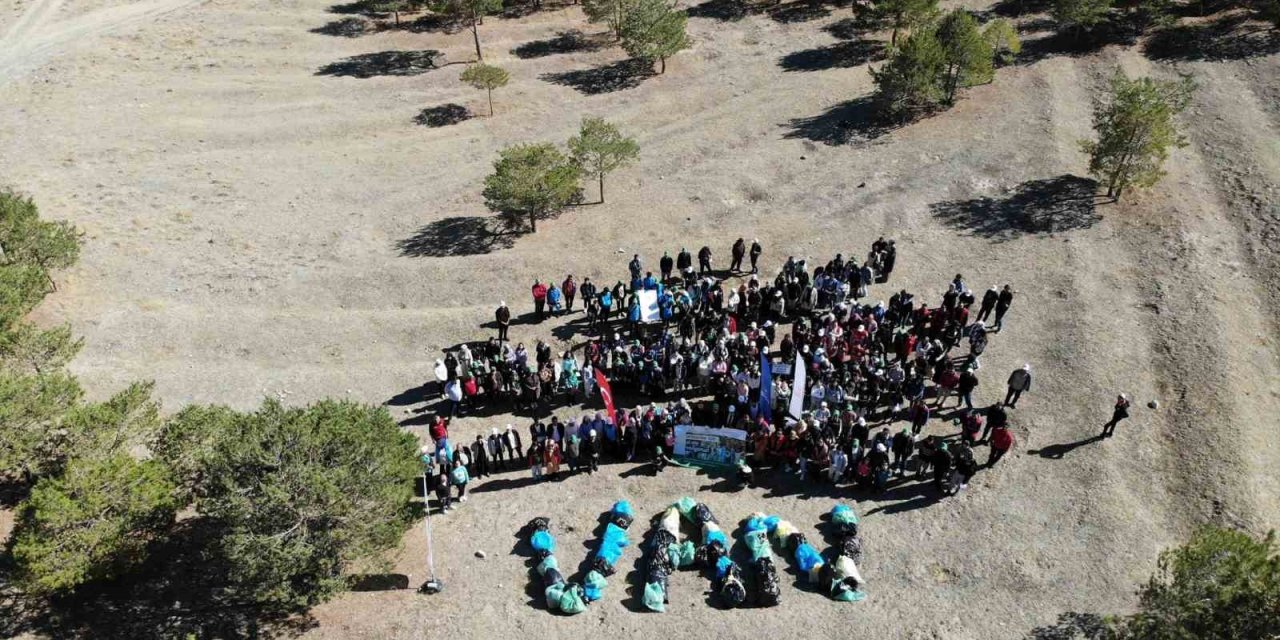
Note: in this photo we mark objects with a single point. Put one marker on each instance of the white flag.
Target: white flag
(797, 389)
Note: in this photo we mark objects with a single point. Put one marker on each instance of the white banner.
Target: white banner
(648, 299)
(797, 390)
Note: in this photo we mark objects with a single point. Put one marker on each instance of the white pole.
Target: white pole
(426, 503)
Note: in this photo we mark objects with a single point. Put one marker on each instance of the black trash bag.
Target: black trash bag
(795, 540)
(552, 576)
(715, 551)
(658, 574)
(847, 529)
(731, 588)
(851, 547)
(602, 567)
(767, 590)
(623, 521)
(661, 539)
(541, 523)
(702, 513)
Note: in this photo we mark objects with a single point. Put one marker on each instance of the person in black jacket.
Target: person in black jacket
(503, 317)
(684, 260)
(665, 265)
(756, 250)
(590, 452)
(738, 252)
(903, 446)
(1002, 305)
(988, 304)
(968, 382)
(704, 260)
(480, 457)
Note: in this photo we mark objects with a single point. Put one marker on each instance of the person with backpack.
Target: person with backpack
(1118, 413)
(968, 382)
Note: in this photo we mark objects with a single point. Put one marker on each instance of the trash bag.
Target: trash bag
(621, 514)
(553, 594)
(755, 523)
(572, 600)
(593, 586)
(608, 556)
(542, 542)
(807, 557)
(782, 530)
(615, 535)
(723, 566)
(715, 536)
(662, 538)
(771, 522)
(731, 588)
(685, 506)
(702, 514)
(767, 590)
(758, 544)
(540, 523)
(846, 582)
(795, 540)
(845, 520)
(681, 554)
(552, 576)
(851, 547)
(548, 562)
(655, 597)
(670, 521)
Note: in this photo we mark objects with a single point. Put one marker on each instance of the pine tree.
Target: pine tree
(905, 15)
(911, 80)
(1135, 127)
(599, 148)
(487, 77)
(610, 12)
(531, 180)
(654, 30)
(473, 11)
(967, 56)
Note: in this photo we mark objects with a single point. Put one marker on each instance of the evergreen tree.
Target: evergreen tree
(1002, 37)
(610, 12)
(967, 56)
(599, 148)
(532, 180)
(654, 30)
(473, 12)
(911, 80)
(1135, 128)
(905, 15)
(487, 77)
(1078, 15)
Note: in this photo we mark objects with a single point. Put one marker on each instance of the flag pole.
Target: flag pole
(433, 584)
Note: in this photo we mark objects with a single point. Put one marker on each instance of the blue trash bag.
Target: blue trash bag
(543, 541)
(593, 586)
(723, 565)
(615, 535)
(771, 523)
(755, 524)
(610, 553)
(807, 557)
(548, 562)
(717, 536)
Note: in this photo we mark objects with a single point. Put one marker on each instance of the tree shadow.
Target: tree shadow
(571, 41)
(442, 115)
(1016, 8)
(841, 55)
(1051, 205)
(624, 74)
(803, 11)
(458, 236)
(359, 7)
(350, 27)
(1071, 625)
(1120, 30)
(384, 63)
(856, 120)
(180, 591)
(854, 27)
(378, 582)
(1057, 451)
(515, 10)
(725, 10)
(1226, 38)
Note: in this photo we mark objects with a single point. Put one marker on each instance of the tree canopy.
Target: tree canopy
(906, 15)
(599, 149)
(911, 80)
(1135, 128)
(1077, 15)
(654, 30)
(473, 11)
(966, 54)
(610, 12)
(487, 77)
(1221, 585)
(532, 180)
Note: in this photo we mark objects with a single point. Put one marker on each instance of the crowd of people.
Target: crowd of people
(717, 349)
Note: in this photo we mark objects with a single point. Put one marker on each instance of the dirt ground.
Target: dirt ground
(266, 217)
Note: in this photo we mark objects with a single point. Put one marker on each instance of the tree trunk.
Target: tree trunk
(397, 14)
(475, 33)
(662, 65)
(601, 187)
(491, 103)
(893, 38)
(533, 221)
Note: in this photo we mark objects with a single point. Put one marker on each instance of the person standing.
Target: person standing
(1019, 381)
(903, 445)
(1118, 413)
(738, 252)
(704, 260)
(496, 451)
(888, 261)
(573, 451)
(1001, 442)
(756, 250)
(570, 290)
(460, 478)
(1002, 306)
(988, 303)
(503, 317)
(665, 265)
(539, 299)
(684, 261)
(588, 291)
(634, 267)
(968, 382)
(480, 457)
(591, 451)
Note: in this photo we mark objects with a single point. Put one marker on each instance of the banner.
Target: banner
(797, 390)
(710, 446)
(648, 300)
(607, 394)
(765, 408)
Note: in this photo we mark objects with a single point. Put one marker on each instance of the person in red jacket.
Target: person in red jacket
(539, 299)
(1001, 442)
(570, 290)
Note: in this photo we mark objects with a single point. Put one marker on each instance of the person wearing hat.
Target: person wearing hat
(1019, 381)
(496, 450)
(591, 451)
(1118, 413)
(756, 250)
(503, 317)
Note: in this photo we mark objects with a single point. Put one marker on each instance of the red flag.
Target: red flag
(607, 394)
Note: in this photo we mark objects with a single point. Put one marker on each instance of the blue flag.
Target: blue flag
(766, 387)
